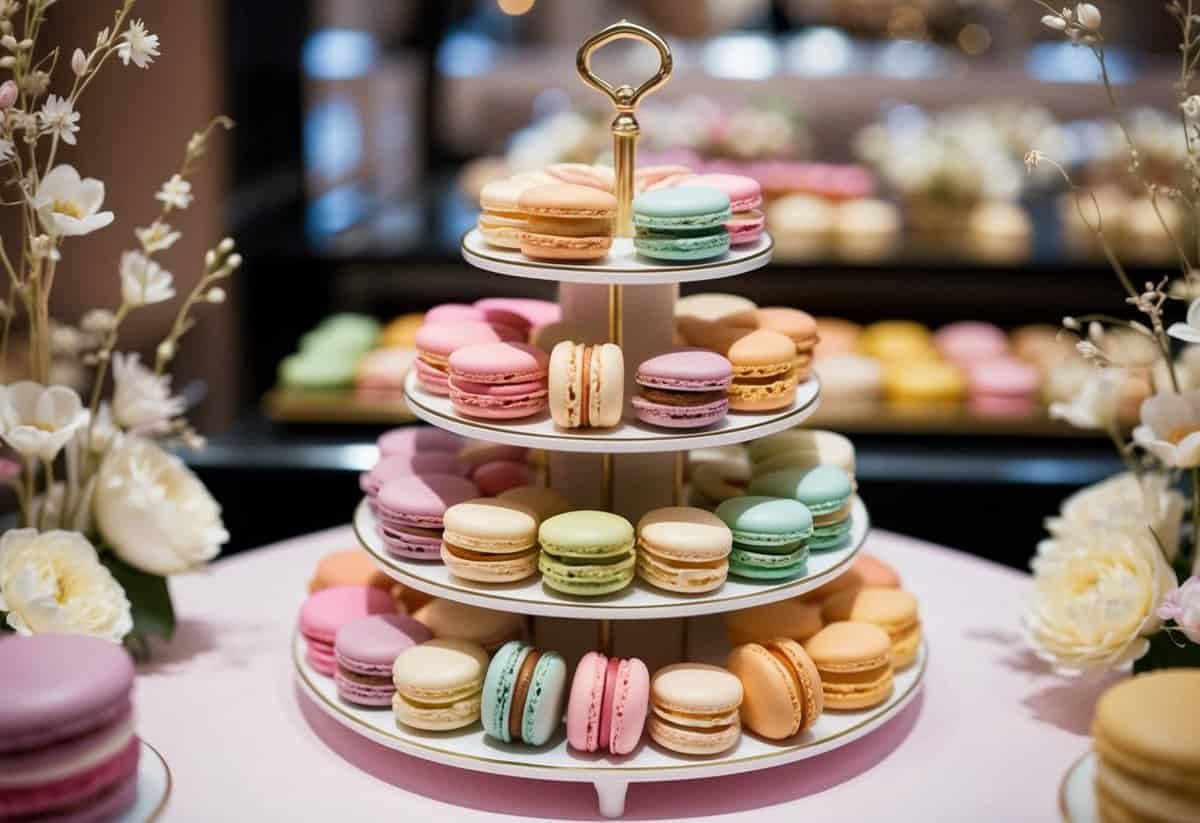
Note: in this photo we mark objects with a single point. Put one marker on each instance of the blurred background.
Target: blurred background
(889, 137)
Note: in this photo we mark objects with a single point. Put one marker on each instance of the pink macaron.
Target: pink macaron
(446, 313)
(1003, 386)
(968, 342)
(411, 439)
(436, 342)
(405, 465)
(745, 199)
(365, 650)
(683, 389)
(326, 611)
(410, 510)
(498, 476)
(500, 381)
(607, 707)
(532, 313)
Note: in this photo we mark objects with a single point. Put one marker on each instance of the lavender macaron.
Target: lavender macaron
(683, 389)
(365, 650)
(410, 512)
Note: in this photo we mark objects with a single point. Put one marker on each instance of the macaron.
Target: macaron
(792, 618)
(764, 374)
(798, 326)
(350, 567)
(967, 342)
(496, 476)
(381, 373)
(490, 629)
(584, 174)
(365, 650)
(502, 220)
(712, 305)
(682, 224)
(523, 694)
(326, 611)
(783, 694)
(694, 709)
(683, 389)
(513, 326)
(407, 465)
(587, 385)
(718, 480)
(477, 452)
(543, 501)
(746, 223)
(923, 382)
(683, 549)
(435, 344)
(410, 509)
(318, 370)
(418, 439)
(532, 313)
(802, 449)
(438, 684)
(770, 536)
(664, 175)
(401, 331)
(490, 540)
(586, 553)
(498, 381)
(866, 570)
(67, 738)
(608, 703)
(1145, 732)
(837, 336)
(855, 663)
(824, 490)
(1003, 385)
(903, 340)
(850, 378)
(566, 222)
(893, 610)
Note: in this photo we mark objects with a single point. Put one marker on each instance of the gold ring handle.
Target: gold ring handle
(625, 99)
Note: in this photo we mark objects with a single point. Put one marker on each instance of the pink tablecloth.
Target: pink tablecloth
(988, 740)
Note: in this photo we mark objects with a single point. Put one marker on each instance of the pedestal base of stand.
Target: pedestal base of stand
(610, 794)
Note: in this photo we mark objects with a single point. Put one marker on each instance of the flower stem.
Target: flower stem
(1195, 510)
(1129, 462)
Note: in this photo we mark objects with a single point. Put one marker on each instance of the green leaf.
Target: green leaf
(149, 596)
(1168, 652)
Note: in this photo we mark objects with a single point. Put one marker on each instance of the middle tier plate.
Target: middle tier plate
(639, 601)
(631, 436)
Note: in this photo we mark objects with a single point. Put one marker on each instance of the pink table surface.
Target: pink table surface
(989, 738)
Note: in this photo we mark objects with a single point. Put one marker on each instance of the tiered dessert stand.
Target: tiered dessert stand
(629, 469)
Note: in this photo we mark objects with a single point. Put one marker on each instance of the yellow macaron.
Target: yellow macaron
(855, 662)
(893, 610)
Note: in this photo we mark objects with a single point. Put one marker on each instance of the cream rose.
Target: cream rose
(53, 583)
(1095, 599)
(1126, 504)
(154, 512)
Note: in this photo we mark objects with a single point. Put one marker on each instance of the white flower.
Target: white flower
(1088, 16)
(1183, 606)
(104, 431)
(176, 192)
(154, 512)
(58, 117)
(1053, 21)
(1095, 599)
(1191, 106)
(98, 321)
(37, 421)
(68, 205)
(54, 583)
(1124, 503)
(142, 400)
(156, 237)
(138, 45)
(1170, 428)
(1189, 331)
(215, 295)
(79, 62)
(1096, 403)
(144, 282)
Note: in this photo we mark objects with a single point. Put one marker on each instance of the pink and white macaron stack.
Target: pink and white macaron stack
(67, 743)
(745, 200)
(498, 381)
(437, 341)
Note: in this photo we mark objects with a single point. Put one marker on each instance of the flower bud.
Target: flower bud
(215, 295)
(1053, 21)
(166, 350)
(8, 94)
(79, 62)
(210, 259)
(234, 261)
(225, 246)
(1088, 16)
(7, 62)
(1070, 323)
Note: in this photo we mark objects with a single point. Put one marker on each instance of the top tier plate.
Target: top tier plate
(623, 266)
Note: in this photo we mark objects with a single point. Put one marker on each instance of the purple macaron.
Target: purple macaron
(365, 650)
(326, 611)
(683, 389)
(396, 466)
(410, 512)
(418, 439)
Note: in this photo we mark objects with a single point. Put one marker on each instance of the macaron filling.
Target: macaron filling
(606, 707)
(516, 710)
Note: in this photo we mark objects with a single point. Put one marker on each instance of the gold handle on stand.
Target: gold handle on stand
(625, 99)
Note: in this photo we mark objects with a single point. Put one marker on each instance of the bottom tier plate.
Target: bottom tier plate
(1077, 793)
(153, 787)
(470, 748)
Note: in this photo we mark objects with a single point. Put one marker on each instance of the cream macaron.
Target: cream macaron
(587, 385)
(490, 540)
(683, 549)
(695, 708)
(439, 684)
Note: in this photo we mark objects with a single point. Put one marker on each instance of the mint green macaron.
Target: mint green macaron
(766, 525)
(762, 566)
(822, 489)
(586, 553)
(519, 672)
(681, 224)
(828, 536)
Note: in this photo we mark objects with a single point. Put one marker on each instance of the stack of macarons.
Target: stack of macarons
(586, 385)
(437, 341)
(326, 611)
(681, 224)
(67, 739)
(683, 389)
(498, 381)
(770, 536)
(747, 222)
(587, 553)
(409, 512)
(501, 219)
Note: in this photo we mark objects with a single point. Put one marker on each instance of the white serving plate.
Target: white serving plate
(1077, 792)
(153, 787)
(470, 748)
(629, 437)
(638, 601)
(622, 266)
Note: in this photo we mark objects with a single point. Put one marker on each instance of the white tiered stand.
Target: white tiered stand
(629, 469)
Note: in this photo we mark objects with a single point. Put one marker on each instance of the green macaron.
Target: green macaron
(315, 370)
(762, 566)
(767, 525)
(822, 489)
(586, 553)
(681, 224)
(829, 535)
(523, 689)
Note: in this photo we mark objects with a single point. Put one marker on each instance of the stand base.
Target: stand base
(610, 795)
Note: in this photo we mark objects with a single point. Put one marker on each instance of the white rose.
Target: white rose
(154, 512)
(54, 583)
(1125, 504)
(1095, 599)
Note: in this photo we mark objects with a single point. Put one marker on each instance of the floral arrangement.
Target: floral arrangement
(1105, 592)
(106, 511)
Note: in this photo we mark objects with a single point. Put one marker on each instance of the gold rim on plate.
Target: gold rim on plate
(162, 803)
(1064, 809)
